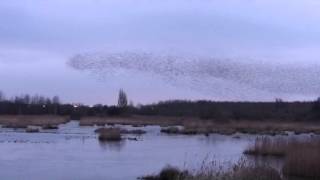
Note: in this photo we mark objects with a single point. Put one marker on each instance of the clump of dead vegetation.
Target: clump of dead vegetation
(109, 134)
(115, 134)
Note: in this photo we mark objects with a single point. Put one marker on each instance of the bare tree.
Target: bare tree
(56, 100)
(35, 99)
(26, 99)
(131, 104)
(2, 98)
(122, 99)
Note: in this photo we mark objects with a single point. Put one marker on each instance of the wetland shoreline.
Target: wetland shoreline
(188, 125)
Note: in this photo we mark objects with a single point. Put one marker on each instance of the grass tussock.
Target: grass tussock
(109, 134)
(213, 171)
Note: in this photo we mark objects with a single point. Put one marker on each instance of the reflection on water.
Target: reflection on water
(74, 152)
(112, 146)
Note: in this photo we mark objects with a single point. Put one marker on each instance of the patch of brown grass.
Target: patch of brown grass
(247, 127)
(23, 121)
(134, 120)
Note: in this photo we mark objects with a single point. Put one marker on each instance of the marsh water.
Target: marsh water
(74, 152)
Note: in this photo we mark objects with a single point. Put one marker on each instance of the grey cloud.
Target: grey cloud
(152, 24)
(227, 35)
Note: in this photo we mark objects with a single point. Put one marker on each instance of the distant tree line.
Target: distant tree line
(277, 110)
(41, 105)
(33, 105)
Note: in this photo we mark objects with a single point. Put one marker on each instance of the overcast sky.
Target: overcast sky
(86, 50)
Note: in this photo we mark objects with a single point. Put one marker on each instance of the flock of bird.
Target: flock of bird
(206, 72)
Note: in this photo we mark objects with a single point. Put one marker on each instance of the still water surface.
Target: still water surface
(74, 152)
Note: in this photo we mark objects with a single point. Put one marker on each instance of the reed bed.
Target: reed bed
(303, 160)
(301, 157)
(266, 146)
